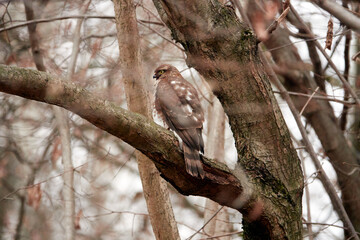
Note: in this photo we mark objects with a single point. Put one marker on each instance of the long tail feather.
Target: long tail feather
(193, 162)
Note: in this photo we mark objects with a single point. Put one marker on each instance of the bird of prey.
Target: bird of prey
(177, 102)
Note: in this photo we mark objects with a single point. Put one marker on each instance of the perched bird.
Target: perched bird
(177, 102)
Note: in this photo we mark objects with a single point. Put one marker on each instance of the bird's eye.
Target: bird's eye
(161, 71)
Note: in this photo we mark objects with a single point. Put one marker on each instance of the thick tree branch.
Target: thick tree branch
(160, 145)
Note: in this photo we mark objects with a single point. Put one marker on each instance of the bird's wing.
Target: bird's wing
(182, 113)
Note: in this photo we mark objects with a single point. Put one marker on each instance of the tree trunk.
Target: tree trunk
(154, 187)
(224, 51)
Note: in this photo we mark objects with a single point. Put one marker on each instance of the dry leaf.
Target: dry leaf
(329, 35)
(95, 48)
(34, 196)
(56, 150)
(77, 219)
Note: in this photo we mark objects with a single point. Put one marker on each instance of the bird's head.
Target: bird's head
(162, 69)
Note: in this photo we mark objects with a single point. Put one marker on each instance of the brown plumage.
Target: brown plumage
(177, 102)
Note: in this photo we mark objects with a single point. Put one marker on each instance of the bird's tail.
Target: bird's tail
(193, 162)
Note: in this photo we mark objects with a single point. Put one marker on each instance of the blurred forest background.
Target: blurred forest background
(77, 40)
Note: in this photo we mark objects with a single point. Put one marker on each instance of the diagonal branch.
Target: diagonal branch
(332, 64)
(341, 13)
(159, 144)
(329, 188)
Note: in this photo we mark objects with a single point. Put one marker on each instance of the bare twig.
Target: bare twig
(44, 20)
(162, 36)
(307, 102)
(306, 39)
(345, 16)
(324, 98)
(222, 235)
(276, 23)
(322, 174)
(99, 36)
(341, 77)
(343, 116)
(356, 55)
(198, 87)
(325, 224)
(306, 187)
(6, 197)
(189, 238)
(307, 199)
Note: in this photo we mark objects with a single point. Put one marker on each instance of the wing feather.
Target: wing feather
(178, 103)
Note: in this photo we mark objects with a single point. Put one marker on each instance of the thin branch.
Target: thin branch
(356, 55)
(44, 20)
(341, 13)
(324, 98)
(6, 197)
(341, 77)
(162, 36)
(345, 110)
(222, 235)
(307, 198)
(307, 102)
(276, 23)
(189, 238)
(330, 189)
(306, 187)
(325, 224)
(198, 87)
(306, 39)
(99, 36)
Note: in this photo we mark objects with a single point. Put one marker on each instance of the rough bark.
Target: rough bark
(224, 51)
(154, 187)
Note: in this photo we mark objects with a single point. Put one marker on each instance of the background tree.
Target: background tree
(217, 40)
